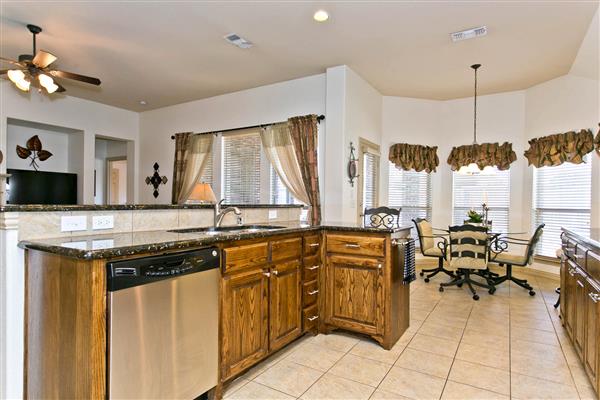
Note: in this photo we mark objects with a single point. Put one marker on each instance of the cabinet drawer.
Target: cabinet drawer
(311, 268)
(286, 249)
(310, 316)
(358, 245)
(310, 293)
(242, 257)
(312, 244)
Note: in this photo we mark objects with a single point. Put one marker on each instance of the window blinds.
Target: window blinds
(562, 197)
(279, 193)
(469, 191)
(370, 179)
(410, 190)
(241, 168)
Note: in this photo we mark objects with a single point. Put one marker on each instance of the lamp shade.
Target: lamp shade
(203, 192)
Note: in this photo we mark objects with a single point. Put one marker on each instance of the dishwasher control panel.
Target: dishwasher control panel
(138, 271)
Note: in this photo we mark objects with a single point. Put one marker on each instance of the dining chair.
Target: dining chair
(432, 245)
(382, 217)
(468, 256)
(517, 259)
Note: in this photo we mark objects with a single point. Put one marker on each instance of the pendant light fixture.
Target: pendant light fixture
(472, 168)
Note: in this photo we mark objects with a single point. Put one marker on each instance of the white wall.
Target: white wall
(262, 105)
(70, 112)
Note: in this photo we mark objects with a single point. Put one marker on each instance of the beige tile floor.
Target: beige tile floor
(509, 345)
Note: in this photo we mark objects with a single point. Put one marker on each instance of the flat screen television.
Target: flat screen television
(39, 187)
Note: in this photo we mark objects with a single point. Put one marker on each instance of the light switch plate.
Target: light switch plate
(103, 222)
(272, 214)
(73, 223)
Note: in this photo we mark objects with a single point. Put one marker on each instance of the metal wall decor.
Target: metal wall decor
(352, 165)
(156, 180)
(33, 149)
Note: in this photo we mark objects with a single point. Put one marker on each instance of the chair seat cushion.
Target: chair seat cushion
(433, 252)
(509, 258)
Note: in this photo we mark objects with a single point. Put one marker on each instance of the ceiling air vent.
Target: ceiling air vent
(469, 34)
(238, 41)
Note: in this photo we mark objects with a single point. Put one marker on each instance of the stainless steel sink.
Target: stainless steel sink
(225, 229)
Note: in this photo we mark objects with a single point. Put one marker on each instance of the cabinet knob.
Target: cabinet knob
(314, 245)
(313, 292)
(313, 318)
(275, 272)
(312, 268)
(353, 245)
(267, 274)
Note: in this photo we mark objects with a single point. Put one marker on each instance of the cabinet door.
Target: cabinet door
(244, 329)
(568, 300)
(354, 294)
(563, 287)
(592, 333)
(581, 295)
(285, 304)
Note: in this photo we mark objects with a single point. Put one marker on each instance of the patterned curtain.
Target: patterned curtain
(181, 144)
(556, 149)
(484, 155)
(597, 142)
(305, 139)
(414, 156)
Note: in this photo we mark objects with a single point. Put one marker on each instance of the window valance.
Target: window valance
(556, 149)
(414, 156)
(484, 155)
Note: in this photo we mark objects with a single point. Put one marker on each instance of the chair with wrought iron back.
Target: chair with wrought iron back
(502, 257)
(382, 217)
(432, 245)
(467, 256)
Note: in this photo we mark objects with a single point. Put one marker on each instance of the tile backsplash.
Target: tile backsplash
(43, 225)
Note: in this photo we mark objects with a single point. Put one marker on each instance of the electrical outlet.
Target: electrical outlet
(272, 214)
(73, 223)
(103, 222)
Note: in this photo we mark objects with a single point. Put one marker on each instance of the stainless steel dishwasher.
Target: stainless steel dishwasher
(163, 325)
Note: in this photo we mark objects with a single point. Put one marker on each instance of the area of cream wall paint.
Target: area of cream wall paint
(587, 61)
(69, 112)
(55, 142)
(261, 105)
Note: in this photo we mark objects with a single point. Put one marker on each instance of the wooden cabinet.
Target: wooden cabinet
(354, 294)
(364, 289)
(285, 304)
(311, 268)
(580, 300)
(592, 332)
(244, 316)
(261, 301)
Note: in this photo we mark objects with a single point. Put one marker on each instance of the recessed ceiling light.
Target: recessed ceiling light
(321, 16)
(143, 102)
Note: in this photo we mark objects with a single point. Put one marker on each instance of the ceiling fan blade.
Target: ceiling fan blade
(8, 60)
(42, 59)
(76, 77)
(60, 88)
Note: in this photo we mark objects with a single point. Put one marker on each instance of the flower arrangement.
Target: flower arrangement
(474, 217)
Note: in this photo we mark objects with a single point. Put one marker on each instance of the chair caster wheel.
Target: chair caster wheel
(492, 291)
(441, 289)
(421, 273)
(531, 293)
(475, 297)
(459, 285)
(426, 279)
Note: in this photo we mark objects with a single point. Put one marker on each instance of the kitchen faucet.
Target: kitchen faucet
(220, 214)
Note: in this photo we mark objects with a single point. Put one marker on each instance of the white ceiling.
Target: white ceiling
(172, 52)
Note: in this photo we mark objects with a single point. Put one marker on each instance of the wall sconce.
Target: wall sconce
(352, 166)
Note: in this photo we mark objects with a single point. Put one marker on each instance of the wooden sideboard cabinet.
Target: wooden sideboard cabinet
(364, 290)
(580, 300)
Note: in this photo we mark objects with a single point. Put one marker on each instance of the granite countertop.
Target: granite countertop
(125, 207)
(104, 246)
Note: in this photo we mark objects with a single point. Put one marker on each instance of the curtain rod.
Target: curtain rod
(319, 119)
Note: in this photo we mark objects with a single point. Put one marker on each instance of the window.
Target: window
(470, 192)
(562, 197)
(279, 193)
(411, 191)
(207, 174)
(241, 168)
(368, 176)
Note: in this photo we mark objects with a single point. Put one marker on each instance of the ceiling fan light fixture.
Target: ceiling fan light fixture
(48, 83)
(15, 75)
(321, 16)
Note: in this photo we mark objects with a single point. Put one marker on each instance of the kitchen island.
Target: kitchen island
(276, 284)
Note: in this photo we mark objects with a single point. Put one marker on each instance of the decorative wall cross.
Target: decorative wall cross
(155, 180)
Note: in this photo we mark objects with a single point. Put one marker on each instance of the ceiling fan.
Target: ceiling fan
(34, 69)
